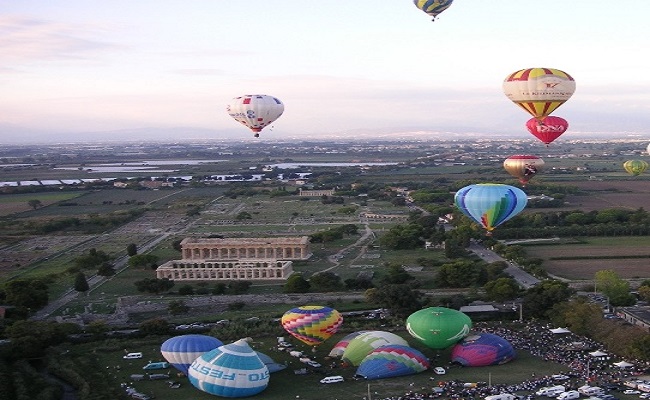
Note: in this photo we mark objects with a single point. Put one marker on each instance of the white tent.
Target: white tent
(560, 330)
(623, 364)
(598, 353)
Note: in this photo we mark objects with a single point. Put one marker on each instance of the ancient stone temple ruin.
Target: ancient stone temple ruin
(236, 259)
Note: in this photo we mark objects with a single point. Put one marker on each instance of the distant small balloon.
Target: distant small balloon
(635, 167)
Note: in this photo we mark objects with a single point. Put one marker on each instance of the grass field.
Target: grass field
(284, 385)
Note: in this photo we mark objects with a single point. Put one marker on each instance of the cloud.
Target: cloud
(27, 40)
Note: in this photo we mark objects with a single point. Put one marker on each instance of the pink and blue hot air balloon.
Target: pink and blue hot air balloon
(392, 360)
(481, 350)
(490, 204)
(181, 351)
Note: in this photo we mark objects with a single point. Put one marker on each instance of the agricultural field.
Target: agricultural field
(18, 203)
(597, 195)
(580, 261)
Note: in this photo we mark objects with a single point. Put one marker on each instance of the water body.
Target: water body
(329, 164)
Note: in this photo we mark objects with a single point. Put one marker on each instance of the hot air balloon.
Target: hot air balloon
(181, 351)
(312, 324)
(392, 360)
(363, 344)
(438, 327)
(256, 111)
(433, 7)
(523, 166)
(490, 204)
(231, 370)
(539, 91)
(635, 167)
(481, 350)
(341, 345)
(548, 128)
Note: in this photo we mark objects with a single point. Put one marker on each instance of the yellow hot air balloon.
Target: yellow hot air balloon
(433, 7)
(523, 167)
(539, 91)
(635, 167)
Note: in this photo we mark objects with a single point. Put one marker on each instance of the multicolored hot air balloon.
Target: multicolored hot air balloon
(312, 324)
(256, 111)
(181, 351)
(433, 7)
(548, 128)
(539, 91)
(635, 167)
(490, 204)
(231, 370)
(392, 360)
(438, 327)
(362, 345)
(341, 345)
(523, 167)
(481, 350)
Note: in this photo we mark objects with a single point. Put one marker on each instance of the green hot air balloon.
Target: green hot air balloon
(438, 327)
(635, 167)
(362, 345)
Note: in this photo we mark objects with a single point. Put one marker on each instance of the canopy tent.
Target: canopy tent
(623, 364)
(560, 330)
(598, 353)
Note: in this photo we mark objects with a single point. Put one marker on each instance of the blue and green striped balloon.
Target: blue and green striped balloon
(490, 204)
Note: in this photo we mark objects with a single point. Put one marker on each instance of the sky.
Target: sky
(97, 70)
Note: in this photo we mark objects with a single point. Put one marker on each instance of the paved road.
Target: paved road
(523, 278)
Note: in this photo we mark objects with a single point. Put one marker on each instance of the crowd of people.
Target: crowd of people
(573, 351)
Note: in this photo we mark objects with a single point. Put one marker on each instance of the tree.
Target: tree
(155, 326)
(80, 283)
(177, 307)
(27, 294)
(243, 215)
(239, 287)
(541, 298)
(396, 275)
(579, 316)
(131, 249)
(326, 282)
(142, 260)
(296, 283)
(402, 300)
(186, 290)
(106, 269)
(462, 273)
(154, 285)
(502, 289)
(35, 203)
(615, 288)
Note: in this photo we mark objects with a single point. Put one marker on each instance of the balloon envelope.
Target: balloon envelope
(490, 204)
(548, 128)
(255, 111)
(635, 167)
(392, 360)
(438, 327)
(433, 7)
(523, 166)
(539, 91)
(363, 344)
(181, 351)
(231, 370)
(341, 345)
(312, 324)
(481, 350)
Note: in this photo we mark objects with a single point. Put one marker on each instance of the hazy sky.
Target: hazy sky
(96, 70)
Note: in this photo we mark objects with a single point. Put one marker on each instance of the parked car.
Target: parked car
(439, 370)
(631, 391)
(132, 356)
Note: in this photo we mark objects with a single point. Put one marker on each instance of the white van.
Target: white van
(590, 390)
(570, 395)
(502, 396)
(332, 379)
(132, 356)
(551, 391)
